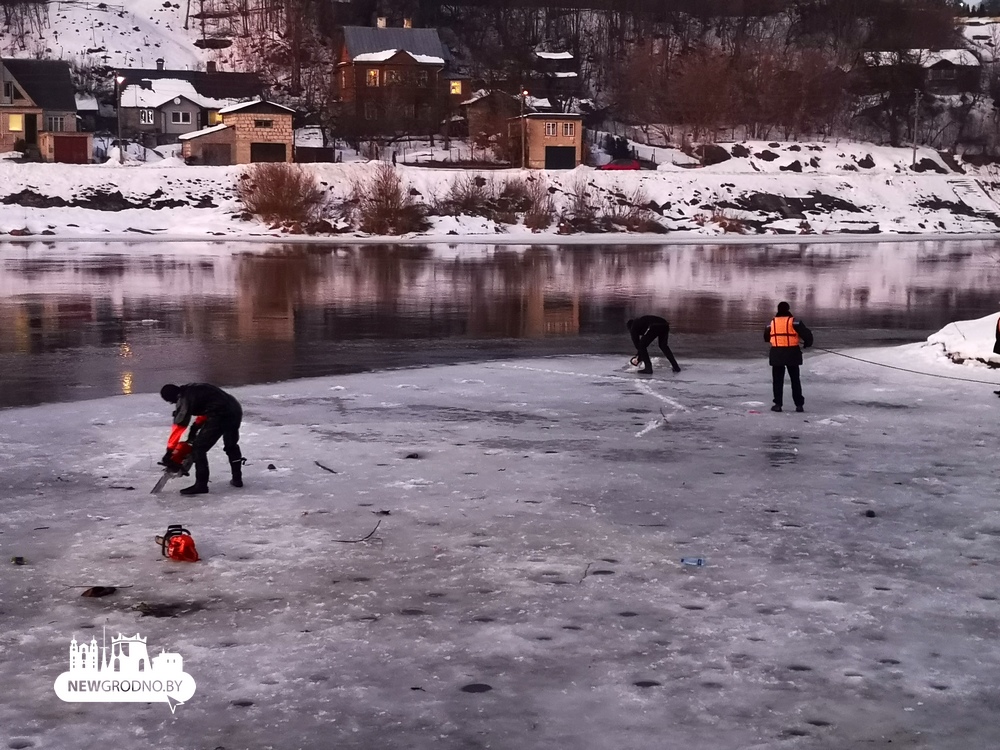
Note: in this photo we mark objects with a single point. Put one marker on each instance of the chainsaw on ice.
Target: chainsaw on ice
(181, 454)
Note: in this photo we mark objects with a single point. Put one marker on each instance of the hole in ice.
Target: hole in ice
(888, 661)
(628, 614)
(18, 744)
(692, 606)
(881, 588)
(241, 702)
(609, 559)
(712, 685)
(479, 544)
(476, 687)
(818, 722)
(988, 597)
(559, 583)
(602, 572)
(318, 678)
(853, 674)
(938, 686)
(799, 668)
(795, 733)
(435, 595)
(412, 612)
(168, 609)
(543, 637)
(771, 510)
(572, 627)
(361, 579)
(791, 525)
(646, 683)
(482, 619)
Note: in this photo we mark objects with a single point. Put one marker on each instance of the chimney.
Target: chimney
(159, 63)
(210, 67)
(407, 23)
(380, 22)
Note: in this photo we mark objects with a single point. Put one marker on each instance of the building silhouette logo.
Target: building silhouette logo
(123, 673)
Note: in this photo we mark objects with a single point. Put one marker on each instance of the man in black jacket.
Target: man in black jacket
(216, 414)
(784, 334)
(643, 331)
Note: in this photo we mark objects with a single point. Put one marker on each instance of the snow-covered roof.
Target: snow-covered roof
(366, 40)
(86, 103)
(537, 103)
(388, 54)
(925, 58)
(204, 131)
(243, 105)
(563, 74)
(554, 55)
(161, 91)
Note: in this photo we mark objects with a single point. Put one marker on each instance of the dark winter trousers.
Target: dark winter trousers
(228, 428)
(659, 333)
(778, 380)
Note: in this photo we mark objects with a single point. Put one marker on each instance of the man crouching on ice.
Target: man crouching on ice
(216, 414)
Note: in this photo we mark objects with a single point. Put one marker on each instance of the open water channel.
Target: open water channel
(86, 320)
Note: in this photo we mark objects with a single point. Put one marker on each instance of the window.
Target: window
(180, 118)
(551, 128)
(343, 79)
(456, 88)
(941, 74)
(8, 90)
(214, 118)
(54, 124)
(263, 123)
(393, 78)
(145, 117)
(15, 123)
(421, 77)
(370, 111)
(371, 76)
(569, 129)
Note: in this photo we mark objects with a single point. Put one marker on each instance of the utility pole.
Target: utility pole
(916, 113)
(119, 80)
(524, 132)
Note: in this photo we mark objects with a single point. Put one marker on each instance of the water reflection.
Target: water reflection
(84, 320)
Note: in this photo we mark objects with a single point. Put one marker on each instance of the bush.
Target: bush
(280, 192)
(629, 212)
(469, 195)
(382, 206)
(541, 209)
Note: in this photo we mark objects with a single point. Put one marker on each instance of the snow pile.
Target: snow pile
(969, 341)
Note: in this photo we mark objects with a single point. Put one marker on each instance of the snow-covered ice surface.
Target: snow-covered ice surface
(531, 545)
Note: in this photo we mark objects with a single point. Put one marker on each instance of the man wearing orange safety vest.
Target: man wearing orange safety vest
(784, 335)
(216, 414)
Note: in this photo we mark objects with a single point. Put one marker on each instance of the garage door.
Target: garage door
(560, 157)
(70, 150)
(267, 152)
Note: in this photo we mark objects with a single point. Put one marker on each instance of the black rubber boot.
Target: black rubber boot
(195, 489)
(776, 407)
(237, 467)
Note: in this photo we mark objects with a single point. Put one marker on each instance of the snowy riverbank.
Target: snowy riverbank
(799, 191)
(533, 515)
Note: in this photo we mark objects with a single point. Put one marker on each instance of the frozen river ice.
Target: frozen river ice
(523, 589)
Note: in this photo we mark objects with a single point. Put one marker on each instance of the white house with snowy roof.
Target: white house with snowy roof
(160, 105)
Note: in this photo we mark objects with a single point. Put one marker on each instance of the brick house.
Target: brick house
(552, 140)
(395, 80)
(257, 131)
(38, 107)
(158, 106)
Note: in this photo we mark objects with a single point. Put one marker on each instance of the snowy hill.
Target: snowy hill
(133, 34)
(845, 189)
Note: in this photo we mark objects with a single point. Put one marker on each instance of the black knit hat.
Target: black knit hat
(784, 308)
(170, 392)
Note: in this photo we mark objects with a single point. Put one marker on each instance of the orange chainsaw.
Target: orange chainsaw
(181, 454)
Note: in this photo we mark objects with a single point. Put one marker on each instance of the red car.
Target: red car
(622, 164)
